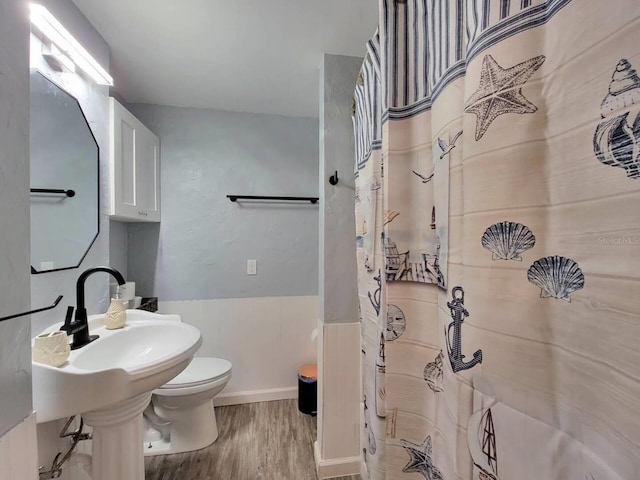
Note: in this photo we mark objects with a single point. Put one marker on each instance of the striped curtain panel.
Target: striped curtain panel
(498, 233)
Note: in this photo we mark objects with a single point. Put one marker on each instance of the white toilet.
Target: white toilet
(181, 417)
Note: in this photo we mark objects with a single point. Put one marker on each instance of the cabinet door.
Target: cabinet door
(148, 175)
(135, 168)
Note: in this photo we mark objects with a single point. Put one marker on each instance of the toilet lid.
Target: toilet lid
(199, 371)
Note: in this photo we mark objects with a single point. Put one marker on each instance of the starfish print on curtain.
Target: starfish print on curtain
(500, 91)
(421, 461)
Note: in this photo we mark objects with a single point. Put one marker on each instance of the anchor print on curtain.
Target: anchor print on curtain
(453, 333)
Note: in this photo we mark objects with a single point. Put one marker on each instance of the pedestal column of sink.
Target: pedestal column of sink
(117, 449)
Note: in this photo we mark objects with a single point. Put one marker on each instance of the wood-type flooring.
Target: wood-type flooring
(257, 441)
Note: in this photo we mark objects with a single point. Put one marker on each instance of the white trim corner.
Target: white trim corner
(335, 467)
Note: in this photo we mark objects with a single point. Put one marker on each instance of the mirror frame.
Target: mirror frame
(93, 240)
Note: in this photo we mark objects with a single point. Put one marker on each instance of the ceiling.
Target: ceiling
(259, 56)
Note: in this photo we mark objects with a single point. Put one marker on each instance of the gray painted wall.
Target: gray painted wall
(94, 102)
(201, 247)
(338, 273)
(15, 335)
(118, 247)
(47, 286)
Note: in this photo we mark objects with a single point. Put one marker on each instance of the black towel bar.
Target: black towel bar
(55, 304)
(68, 193)
(234, 198)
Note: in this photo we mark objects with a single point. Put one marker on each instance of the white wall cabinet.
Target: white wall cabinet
(135, 168)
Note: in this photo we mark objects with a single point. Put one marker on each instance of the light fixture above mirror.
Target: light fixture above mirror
(64, 48)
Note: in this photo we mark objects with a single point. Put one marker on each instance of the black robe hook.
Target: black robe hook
(333, 179)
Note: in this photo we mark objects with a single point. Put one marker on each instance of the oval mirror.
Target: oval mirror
(64, 178)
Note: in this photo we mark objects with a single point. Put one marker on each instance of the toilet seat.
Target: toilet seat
(201, 374)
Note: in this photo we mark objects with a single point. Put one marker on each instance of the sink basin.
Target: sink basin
(148, 352)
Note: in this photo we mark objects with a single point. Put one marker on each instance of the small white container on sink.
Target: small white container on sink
(51, 348)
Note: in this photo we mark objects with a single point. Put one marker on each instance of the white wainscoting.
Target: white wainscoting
(78, 467)
(266, 339)
(19, 452)
(337, 450)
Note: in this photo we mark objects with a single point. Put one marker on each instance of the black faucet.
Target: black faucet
(80, 328)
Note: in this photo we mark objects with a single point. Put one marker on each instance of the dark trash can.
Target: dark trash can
(308, 389)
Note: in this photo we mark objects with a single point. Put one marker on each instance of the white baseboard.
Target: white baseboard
(253, 396)
(335, 467)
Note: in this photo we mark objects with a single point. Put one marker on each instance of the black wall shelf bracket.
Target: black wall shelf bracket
(55, 304)
(235, 198)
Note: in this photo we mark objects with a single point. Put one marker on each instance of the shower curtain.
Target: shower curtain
(498, 240)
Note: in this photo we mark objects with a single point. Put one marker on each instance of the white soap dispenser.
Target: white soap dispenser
(116, 316)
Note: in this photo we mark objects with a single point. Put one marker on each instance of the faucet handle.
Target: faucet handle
(67, 320)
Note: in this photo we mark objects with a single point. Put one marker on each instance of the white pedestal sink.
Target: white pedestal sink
(109, 382)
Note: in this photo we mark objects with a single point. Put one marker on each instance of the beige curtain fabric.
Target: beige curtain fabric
(525, 364)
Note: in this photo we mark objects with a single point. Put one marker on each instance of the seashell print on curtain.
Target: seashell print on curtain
(556, 276)
(616, 141)
(508, 240)
(434, 374)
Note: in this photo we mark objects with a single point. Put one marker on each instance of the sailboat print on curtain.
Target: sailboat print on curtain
(489, 441)
(481, 439)
(506, 444)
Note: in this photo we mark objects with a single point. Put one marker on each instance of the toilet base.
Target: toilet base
(194, 428)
